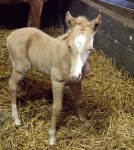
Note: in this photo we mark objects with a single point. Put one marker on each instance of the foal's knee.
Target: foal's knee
(56, 109)
(14, 81)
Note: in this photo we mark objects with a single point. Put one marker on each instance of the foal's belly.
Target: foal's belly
(42, 66)
(46, 71)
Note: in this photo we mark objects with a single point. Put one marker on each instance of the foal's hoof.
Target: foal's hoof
(52, 142)
(52, 137)
(17, 122)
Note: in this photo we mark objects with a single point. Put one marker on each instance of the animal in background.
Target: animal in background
(36, 6)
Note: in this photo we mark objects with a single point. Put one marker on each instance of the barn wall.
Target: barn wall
(14, 16)
(116, 35)
(122, 7)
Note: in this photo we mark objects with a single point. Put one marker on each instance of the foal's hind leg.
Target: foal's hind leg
(17, 75)
(76, 91)
(13, 85)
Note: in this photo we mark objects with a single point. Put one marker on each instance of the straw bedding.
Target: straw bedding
(109, 104)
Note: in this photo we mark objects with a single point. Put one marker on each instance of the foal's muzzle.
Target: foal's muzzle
(75, 77)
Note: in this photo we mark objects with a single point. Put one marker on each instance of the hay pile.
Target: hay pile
(109, 104)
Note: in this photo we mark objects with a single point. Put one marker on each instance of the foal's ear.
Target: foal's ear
(95, 24)
(70, 20)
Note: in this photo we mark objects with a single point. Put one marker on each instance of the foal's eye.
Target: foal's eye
(69, 49)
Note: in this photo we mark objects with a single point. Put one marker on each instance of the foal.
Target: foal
(63, 59)
(35, 10)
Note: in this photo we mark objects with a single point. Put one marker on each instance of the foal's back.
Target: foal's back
(32, 47)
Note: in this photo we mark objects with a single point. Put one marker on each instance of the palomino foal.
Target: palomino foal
(63, 59)
(35, 10)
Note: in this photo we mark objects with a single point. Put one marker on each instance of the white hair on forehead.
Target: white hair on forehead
(80, 42)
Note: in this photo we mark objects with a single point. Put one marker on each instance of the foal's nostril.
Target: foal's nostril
(75, 77)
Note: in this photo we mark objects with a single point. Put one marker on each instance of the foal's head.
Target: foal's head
(80, 41)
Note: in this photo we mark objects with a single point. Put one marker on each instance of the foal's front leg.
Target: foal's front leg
(58, 88)
(76, 92)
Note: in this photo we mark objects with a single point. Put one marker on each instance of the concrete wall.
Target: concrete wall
(123, 8)
(116, 35)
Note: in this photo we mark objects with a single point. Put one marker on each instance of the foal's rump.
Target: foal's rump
(17, 44)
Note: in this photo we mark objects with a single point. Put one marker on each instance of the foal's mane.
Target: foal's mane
(65, 35)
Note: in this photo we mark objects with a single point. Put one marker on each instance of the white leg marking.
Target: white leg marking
(80, 42)
(52, 137)
(15, 115)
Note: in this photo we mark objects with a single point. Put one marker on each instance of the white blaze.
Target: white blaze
(80, 42)
(78, 67)
(85, 56)
(91, 42)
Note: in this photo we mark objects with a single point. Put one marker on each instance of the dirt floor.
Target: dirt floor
(109, 104)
